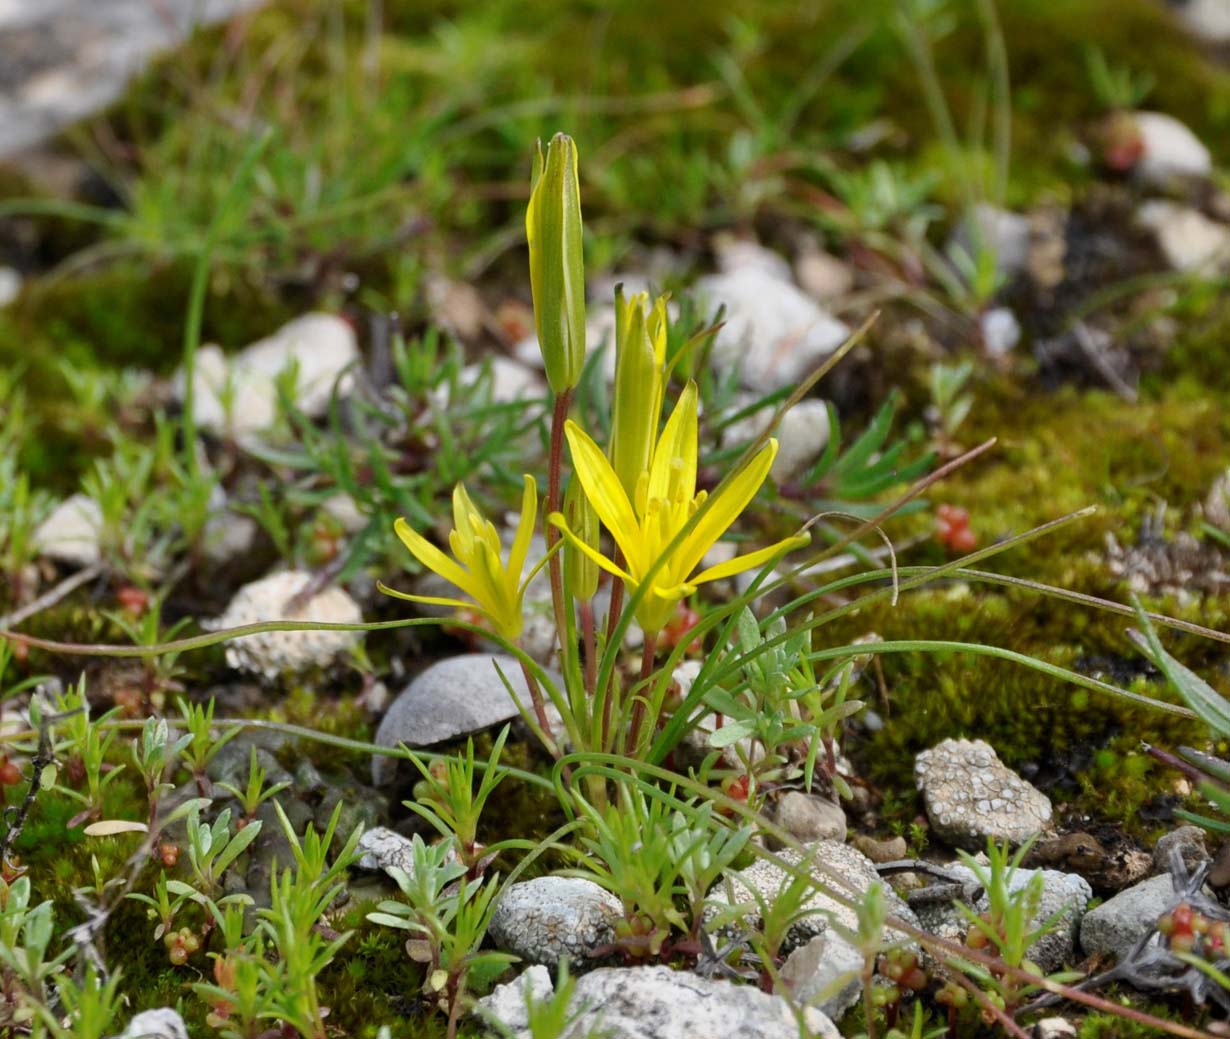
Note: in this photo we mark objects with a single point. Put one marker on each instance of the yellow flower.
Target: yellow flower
(495, 587)
(666, 499)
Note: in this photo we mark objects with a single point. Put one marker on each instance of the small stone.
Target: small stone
(455, 305)
(511, 381)
(824, 973)
(821, 275)
(1207, 19)
(887, 849)
(240, 395)
(451, 698)
(70, 533)
(1000, 331)
(1217, 503)
(547, 919)
(735, 255)
(163, 1023)
(809, 818)
(507, 1007)
(273, 653)
(346, 511)
(774, 334)
(10, 285)
(970, 795)
(661, 1003)
(1188, 239)
(1170, 151)
(1188, 841)
(1119, 923)
(801, 434)
(1003, 232)
(1055, 1028)
(383, 849)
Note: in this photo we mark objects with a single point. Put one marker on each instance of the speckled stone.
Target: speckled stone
(661, 1003)
(162, 1023)
(382, 849)
(547, 918)
(836, 867)
(970, 795)
(273, 653)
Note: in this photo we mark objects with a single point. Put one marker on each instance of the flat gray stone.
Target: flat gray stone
(452, 698)
(970, 795)
(825, 973)
(808, 818)
(660, 1003)
(1119, 923)
(547, 919)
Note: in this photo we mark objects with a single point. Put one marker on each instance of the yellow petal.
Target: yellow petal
(431, 557)
(556, 519)
(525, 529)
(604, 491)
(430, 600)
(728, 502)
(677, 443)
(750, 561)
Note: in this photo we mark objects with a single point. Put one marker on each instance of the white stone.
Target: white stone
(163, 1023)
(511, 381)
(343, 508)
(1170, 150)
(801, 435)
(228, 535)
(1208, 19)
(507, 1007)
(240, 395)
(10, 285)
(774, 334)
(742, 254)
(821, 275)
(379, 848)
(1217, 503)
(661, 1003)
(273, 653)
(70, 533)
(1004, 232)
(1000, 331)
(548, 919)
(1188, 239)
(824, 973)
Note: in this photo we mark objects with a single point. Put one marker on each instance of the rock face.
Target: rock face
(835, 866)
(273, 653)
(774, 334)
(1119, 923)
(239, 395)
(452, 698)
(971, 795)
(70, 533)
(1063, 894)
(660, 1003)
(547, 919)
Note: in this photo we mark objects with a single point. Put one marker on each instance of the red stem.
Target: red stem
(641, 689)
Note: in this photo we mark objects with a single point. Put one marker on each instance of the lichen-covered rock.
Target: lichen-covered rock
(1119, 923)
(547, 919)
(381, 848)
(660, 1003)
(273, 653)
(1064, 896)
(836, 867)
(70, 533)
(452, 698)
(970, 795)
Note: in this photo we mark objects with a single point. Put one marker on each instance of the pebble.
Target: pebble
(163, 1023)
(273, 653)
(10, 285)
(452, 698)
(507, 1006)
(1055, 1028)
(1188, 841)
(1170, 151)
(659, 1003)
(548, 919)
(70, 532)
(881, 849)
(228, 535)
(1065, 894)
(381, 849)
(510, 381)
(822, 275)
(239, 395)
(835, 867)
(824, 973)
(801, 434)
(1207, 19)
(1000, 331)
(774, 334)
(1188, 239)
(970, 795)
(1217, 503)
(1004, 232)
(1119, 923)
(808, 818)
(735, 255)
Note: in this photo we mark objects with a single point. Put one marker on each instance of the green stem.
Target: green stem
(648, 652)
(555, 465)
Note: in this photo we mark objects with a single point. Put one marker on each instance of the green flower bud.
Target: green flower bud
(580, 571)
(557, 268)
(640, 382)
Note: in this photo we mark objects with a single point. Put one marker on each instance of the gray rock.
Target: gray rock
(774, 334)
(1188, 239)
(507, 1005)
(821, 275)
(881, 849)
(809, 818)
(1000, 331)
(1119, 923)
(1188, 841)
(1055, 1028)
(163, 1023)
(825, 973)
(1217, 504)
(1000, 230)
(836, 867)
(383, 849)
(547, 919)
(10, 285)
(452, 698)
(970, 795)
(70, 533)
(1207, 19)
(1062, 893)
(802, 435)
(660, 1003)
(1170, 150)
(273, 653)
